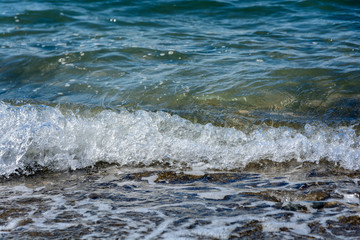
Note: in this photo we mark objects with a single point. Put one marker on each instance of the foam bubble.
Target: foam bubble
(43, 136)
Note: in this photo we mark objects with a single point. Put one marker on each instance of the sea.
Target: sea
(180, 119)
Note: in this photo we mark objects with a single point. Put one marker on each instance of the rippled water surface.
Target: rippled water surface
(193, 58)
(119, 118)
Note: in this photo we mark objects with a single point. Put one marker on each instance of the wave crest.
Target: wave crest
(43, 136)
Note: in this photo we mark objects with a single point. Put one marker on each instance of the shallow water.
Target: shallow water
(187, 119)
(123, 203)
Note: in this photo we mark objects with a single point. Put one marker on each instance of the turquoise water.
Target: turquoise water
(166, 96)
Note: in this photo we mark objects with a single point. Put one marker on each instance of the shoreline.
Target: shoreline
(116, 202)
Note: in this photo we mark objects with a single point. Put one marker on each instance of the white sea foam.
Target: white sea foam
(44, 136)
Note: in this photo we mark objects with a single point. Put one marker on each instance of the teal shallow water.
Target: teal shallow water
(193, 58)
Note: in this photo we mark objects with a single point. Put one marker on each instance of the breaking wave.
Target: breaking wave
(33, 137)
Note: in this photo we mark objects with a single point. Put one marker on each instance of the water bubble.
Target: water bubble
(62, 60)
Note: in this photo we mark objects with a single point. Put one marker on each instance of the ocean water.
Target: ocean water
(180, 119)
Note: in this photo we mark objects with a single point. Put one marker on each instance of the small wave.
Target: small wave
(33, 137)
